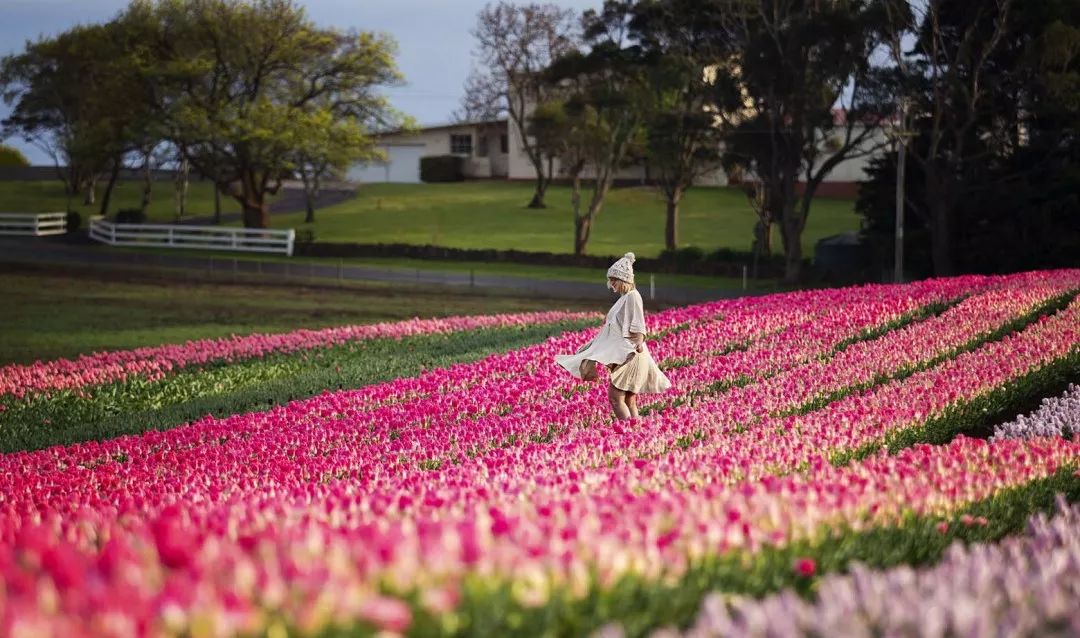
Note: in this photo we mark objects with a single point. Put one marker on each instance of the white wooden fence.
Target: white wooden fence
(36, 224)
(196, 237)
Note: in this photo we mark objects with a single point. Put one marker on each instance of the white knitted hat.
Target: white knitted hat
(623, 268)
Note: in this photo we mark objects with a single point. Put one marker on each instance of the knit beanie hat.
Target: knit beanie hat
(623, 268)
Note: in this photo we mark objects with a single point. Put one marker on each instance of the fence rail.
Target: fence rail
(33, 224)
(254, 240)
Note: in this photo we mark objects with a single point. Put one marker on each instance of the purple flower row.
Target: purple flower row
(1057, 416)
(1022, 586)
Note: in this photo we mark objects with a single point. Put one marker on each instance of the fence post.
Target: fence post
(744, 277)
(171, 237)
(290, 238)
(652, 287)
(112, 234)
(472, 278)
(234, 234)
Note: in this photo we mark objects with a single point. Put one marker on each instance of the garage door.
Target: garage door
(402, 166)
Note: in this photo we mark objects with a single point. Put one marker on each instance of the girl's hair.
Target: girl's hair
(629, 286)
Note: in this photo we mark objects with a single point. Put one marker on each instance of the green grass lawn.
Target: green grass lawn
(104, 311)
(48, 196)
(493, 215)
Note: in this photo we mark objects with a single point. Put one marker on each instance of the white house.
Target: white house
(493, 150)
(489, 150)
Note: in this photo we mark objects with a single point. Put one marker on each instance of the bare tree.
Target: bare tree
(515, 43)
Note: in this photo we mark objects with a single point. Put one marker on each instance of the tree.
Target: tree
(689, 66)
(239, 85)
(515, 43)
(326, 150)
(813, 100)
(11, 156)
(567, 133)
(79, 97)
(947, 79)
(1014, 177)
(55, 90)
(606, 95)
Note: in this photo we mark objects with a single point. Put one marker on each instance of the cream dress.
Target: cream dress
(613, 346)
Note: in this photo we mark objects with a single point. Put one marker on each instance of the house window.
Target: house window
(461, 144)
(482, 146)
(504, 144)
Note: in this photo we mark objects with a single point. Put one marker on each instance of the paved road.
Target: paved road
(60, 251)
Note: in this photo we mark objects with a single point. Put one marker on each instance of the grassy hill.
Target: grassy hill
(493, 215)
(46, 196)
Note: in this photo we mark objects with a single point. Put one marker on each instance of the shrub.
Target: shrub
(74, 221)
(441, 168)
(684, 259)
(130, 216)
(11, 156)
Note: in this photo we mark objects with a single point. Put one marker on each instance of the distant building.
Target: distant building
(492, 149)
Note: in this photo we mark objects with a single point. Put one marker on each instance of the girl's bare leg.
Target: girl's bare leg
(617, 398)
(631, 404)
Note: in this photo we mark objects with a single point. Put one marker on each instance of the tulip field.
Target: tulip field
(875, 460)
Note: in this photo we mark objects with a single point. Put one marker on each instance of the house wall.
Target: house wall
(436, 141)
(515, 164)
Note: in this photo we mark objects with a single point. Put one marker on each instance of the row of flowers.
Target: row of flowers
(315, 558)
(1022, 586)
(317, 512)
(338, 428)
(153, 363)
(1057, 416)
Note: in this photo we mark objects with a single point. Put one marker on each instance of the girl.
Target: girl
(621, 347)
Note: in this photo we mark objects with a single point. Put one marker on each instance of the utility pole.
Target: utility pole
(901, 157)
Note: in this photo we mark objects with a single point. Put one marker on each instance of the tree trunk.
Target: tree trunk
(217, 203)
(310, 188)
(148, 185)
(181, 189)
(582, 228)
(671, 227)
(106, 196)
(575, 203)
(792, 251)
(253, 200)
(309, 203)
(541, 185)
(91, 186)
(939, 210)
(940, 240)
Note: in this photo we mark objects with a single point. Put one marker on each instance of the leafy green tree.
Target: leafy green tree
(78, 96)
(11, 156)
(605, 96)
(812, 100)
(689, 62)
(49, 87)
(241, 86)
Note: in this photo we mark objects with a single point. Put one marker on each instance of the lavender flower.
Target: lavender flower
(1023, 586)
(1057, 416)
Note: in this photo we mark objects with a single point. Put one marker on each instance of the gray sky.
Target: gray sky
(434, 44)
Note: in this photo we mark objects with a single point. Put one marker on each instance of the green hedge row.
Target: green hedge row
(135, 405)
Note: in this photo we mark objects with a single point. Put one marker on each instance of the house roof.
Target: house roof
(445, 125)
